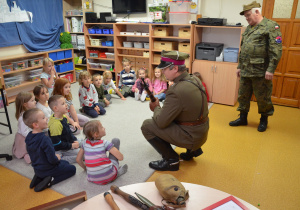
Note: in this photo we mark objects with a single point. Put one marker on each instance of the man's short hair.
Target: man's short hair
(53, 100)
(29, 116)
(181, 68)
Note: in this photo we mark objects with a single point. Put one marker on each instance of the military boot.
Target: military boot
(170, 161)
(190, 154)
(263, 123)
(240, 121)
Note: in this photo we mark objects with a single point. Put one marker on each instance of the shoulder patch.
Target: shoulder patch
(278, 39)
(276, 27)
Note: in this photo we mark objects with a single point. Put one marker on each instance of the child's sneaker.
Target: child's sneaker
(35, 181)
(45, 183)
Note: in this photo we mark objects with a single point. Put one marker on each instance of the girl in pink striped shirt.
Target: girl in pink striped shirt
(100, 168)
(159, 85)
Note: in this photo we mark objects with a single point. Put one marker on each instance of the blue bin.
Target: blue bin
(231, 54)
(56, 67)
(68, 54)
(53, 56)
(69, 66)
(105, 31)
(91, 31)
(109, 43)
(103, 43)
(99, 31)
(60, 55)
(111, 31)
(62, 68)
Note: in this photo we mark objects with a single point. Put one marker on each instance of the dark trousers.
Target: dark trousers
(63, 171)
(90, 111)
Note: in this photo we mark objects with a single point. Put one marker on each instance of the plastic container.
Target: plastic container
(94, 65)
(70, 66)
(62, 68)
(103, 43)
(127, 44)
(111, 31)
(105, 66)
(60, 55)
(138, 45)
(20, 64)
(36, 71)
(92, 31)
(35, 77)
(35, 62)
(179, 17)
(109, 43)
(68, 54)
(53, 56)
(146, 45)
(110, 55)
(99, 31)
(105, 31)
(231, 54)
(180, 6)
(13, 82)
(7, 68)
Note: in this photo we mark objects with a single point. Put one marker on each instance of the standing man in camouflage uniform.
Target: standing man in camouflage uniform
(183, 119)
(261, 50)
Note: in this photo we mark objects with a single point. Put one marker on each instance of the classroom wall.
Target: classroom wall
(13, 50)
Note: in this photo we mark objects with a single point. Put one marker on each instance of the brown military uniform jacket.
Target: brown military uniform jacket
(183, 103)
(261, 49)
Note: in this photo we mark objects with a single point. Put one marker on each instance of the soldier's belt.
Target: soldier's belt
(193, 123)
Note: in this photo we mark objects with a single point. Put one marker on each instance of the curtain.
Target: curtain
(42, 33)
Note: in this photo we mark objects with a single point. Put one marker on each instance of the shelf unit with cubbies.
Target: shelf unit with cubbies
(100, 57)
(171, 37)
(21, 72)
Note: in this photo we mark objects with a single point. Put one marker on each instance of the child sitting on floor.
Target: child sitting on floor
(88, 96)
(127, 79)
(63, 140)
(49, 169)
(100, 168)
(24, 101)
(109, 85)
(138, 87)
(42, 96)
(97, 81)
(159, 84)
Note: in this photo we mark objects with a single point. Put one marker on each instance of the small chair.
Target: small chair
(68, 202)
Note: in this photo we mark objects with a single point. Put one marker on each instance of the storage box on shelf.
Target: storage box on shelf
(22, 72)
(219, 77)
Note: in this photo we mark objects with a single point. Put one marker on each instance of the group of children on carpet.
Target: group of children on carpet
(47, 126)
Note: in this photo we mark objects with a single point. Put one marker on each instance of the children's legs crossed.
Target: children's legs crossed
(68, 155)
(123, 169)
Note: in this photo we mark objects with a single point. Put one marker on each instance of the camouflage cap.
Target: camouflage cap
(247, 7)
(169, 58)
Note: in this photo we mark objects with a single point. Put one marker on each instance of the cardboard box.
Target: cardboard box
(164, 45)
(156, 58)
(184, 32)
(184, 47)
(131, 52)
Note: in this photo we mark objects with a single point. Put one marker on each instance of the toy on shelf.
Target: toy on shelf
(65, 40)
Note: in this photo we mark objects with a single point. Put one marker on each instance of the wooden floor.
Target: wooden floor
(260, 168)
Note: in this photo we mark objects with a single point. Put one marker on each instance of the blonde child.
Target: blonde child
(138, 88)
(42, 96)
(24, 101)
(63, 87)
(97, 81)
(94, 150)
(159, 85)
(88, 96)
(127, 78)
(197, 74)
(49, 74)
(108, 85)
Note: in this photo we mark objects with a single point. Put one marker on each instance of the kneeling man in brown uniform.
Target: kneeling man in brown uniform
(183, 119)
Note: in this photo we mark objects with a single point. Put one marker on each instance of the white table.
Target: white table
(200, 197)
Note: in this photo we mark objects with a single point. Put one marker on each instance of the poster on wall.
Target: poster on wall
(15, 15)
(88, 4)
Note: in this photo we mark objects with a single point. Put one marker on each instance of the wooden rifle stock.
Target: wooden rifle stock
(152, 98)
(129, 198)
(110, 200)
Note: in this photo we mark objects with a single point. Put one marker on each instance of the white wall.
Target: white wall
(229, 9)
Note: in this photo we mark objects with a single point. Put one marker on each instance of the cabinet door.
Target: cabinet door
(290, 92)
(225, 84)
(205, 68)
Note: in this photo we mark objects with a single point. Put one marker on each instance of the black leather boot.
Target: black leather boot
(190, 154)
(240, 121)
(170, 161)
(263, 123)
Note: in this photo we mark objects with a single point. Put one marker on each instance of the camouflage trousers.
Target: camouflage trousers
(262, 90)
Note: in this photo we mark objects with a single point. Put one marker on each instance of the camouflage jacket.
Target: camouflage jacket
(261, 49)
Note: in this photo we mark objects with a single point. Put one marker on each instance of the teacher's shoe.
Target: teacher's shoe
(190, 154)
(240, 121)
(165, 165)
(263, 123)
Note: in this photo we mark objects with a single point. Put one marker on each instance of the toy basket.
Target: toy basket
(95, 42)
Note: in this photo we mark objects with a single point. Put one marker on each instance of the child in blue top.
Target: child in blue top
(49, 169)
(127, 78)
